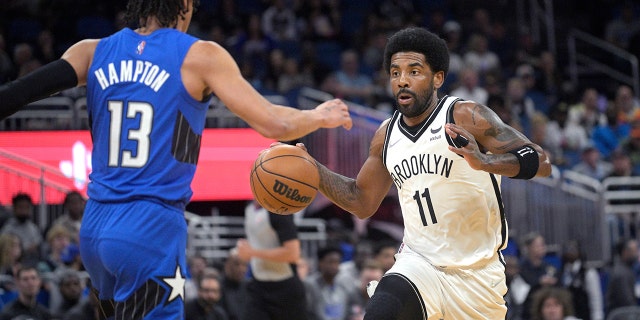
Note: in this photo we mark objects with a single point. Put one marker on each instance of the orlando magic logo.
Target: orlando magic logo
(140, 47)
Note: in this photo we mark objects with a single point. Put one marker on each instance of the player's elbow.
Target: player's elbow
(278, 130)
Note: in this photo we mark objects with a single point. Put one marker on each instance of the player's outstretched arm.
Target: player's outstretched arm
(508, 152)
(64, 73)
(221, 76)
(361, 196)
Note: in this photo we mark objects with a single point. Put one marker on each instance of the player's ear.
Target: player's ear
(438, 79)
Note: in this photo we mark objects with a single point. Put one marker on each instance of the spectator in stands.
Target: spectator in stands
(619, 29)
(534, 269)
(549, 80)
(322, 20)
(71, 219)
(621, 164)
(631, 145)
(352, 268)
(479, 57)
(626, 104)
(291, 78)
(522, 107)
(348, 82)
(10, 260)
(279, 22)
(607, 137)
(591, 164)
(28, 283)
(329, 296)
(452, 34)
(518, 288)
(196, 265)
(384, 253)
(620, 290)
(86, 309)
(370, 273)
(234, 285)
(70, 293)
(469, 88)
(24, 59)
(392, 15)
(527, 74)
(583, 282)
(58, 238)
(274, 291)
(206, 305)
(589, 112)
(45, 50)
(253, 46)
(552, 303)
(22, 226)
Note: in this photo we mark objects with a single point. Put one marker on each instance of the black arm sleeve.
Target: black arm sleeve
(284, 226)
(39, 84)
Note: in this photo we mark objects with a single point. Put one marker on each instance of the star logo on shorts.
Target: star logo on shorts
(177, 285)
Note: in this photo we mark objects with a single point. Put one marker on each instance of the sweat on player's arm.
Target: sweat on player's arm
(494, 146)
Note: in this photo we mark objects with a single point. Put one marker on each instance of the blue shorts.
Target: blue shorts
(135, 254)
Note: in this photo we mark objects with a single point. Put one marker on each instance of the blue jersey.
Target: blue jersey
(145, 126)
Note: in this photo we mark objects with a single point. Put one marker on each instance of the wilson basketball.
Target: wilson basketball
(284, 179)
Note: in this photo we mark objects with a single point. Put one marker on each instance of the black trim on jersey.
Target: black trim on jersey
(450, 119)
(414, 132)
(143, 300)
(503, 219)
(387, 135)
(415, 290)
(185, 146)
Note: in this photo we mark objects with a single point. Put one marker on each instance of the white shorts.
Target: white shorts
(455, 293)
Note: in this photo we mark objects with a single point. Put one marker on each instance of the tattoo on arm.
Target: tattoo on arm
(336, 187)
(497, 131)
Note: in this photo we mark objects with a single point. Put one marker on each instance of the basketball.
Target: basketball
(284, 179)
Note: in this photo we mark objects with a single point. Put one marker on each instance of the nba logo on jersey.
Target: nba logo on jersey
(140, 47)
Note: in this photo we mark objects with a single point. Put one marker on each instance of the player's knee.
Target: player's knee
(395, 298)
(383, 306)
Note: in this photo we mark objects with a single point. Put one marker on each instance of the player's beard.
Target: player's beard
(420, 102)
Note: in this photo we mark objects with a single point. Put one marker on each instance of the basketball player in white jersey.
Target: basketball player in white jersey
(445, 156)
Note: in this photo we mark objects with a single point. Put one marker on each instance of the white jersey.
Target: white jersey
(453, 215)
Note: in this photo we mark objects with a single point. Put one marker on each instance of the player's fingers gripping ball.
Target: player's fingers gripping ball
(284, 179)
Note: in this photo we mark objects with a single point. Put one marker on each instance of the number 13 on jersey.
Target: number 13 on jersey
(140, 135)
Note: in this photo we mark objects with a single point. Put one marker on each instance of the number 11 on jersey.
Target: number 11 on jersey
(427, 197)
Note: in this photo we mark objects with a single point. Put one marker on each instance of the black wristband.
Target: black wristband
(529, 162)
(39, 84)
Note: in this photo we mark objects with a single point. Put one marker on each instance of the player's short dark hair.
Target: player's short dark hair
(21, 197)
(415, 39)
(166, 11)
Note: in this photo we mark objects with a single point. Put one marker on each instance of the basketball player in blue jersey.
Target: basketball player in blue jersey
(147, 91)
(445, 156)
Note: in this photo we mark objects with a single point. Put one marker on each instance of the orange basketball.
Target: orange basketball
(284, 179)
